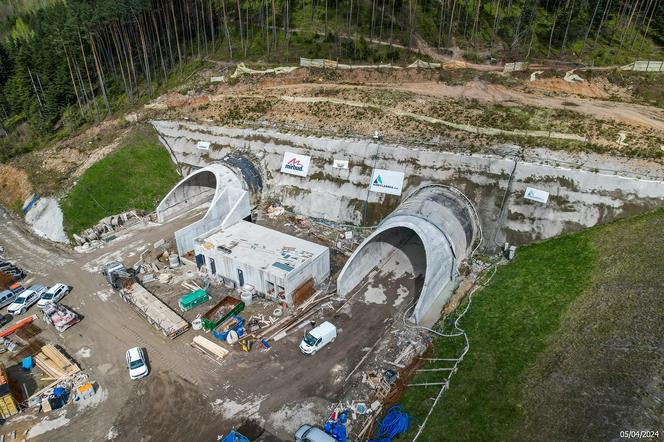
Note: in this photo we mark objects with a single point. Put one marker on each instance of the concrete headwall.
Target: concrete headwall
(231, 206)
(579, 197)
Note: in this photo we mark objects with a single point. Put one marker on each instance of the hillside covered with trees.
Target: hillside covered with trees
(67, 62)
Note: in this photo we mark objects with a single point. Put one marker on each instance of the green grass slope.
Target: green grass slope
(565, 343)
(136, 176)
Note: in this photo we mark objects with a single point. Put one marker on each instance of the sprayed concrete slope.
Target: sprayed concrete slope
(496, 184)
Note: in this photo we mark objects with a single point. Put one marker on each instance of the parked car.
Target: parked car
(318, 338)
(52, 295)
(40, 289)
(307, 433)
(8, 296)
(136, 363)
(26, 299)
(5, 319)
(17, 288)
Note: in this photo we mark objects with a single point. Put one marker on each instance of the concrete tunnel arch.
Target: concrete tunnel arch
(444, 223)
(232, 188)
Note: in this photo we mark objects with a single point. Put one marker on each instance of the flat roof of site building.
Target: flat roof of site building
(275, 252)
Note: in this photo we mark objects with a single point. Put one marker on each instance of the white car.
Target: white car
(52, 295)
(26, 299)
(136, 363)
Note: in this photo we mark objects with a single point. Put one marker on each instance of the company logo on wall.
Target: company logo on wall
(541, 196)
(387, 181)
(295, 164)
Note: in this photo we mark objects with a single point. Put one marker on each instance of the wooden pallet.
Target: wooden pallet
(8, 406)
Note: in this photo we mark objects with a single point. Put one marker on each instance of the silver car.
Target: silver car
(26, 299)
(308, 433)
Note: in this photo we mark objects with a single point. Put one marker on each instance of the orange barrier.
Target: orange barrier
(22, 323)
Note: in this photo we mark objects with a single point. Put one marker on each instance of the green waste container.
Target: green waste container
(191, 300)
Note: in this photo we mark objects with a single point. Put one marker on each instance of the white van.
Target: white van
(318, 338)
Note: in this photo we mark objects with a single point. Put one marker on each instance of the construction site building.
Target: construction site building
(274, 263)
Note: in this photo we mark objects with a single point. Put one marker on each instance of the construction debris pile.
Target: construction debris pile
(60, 316)
(387, 365)
(105, 229)
(342, 238)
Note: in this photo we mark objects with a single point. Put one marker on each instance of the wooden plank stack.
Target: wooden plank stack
(210, 347)
(55, 364)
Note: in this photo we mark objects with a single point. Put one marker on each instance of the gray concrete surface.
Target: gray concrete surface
(585, 189)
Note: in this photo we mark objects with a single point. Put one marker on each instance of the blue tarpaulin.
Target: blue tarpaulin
(27, 363)
(234, 436)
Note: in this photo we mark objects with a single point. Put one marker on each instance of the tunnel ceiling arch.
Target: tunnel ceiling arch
(445, 223)
(198, 187)
(232, 188)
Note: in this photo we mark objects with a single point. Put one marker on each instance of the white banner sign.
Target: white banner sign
(340, 164)
(295, 164)
(540, 196)
(203, 145)
(386, 181)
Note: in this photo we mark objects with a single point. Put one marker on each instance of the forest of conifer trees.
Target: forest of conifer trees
(82, 59)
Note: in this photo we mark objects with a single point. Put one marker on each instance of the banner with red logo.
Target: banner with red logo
(295, 164)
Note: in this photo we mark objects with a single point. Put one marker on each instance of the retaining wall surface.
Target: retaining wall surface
(578, 198)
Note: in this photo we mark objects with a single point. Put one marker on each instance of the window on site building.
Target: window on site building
(270, 288)
(213, 268)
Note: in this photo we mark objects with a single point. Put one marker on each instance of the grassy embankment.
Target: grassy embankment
(565, 343)
(136, 176)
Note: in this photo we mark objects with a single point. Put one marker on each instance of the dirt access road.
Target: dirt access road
(629, 113)
(187, 396)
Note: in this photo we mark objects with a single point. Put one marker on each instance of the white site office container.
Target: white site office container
(273, 262)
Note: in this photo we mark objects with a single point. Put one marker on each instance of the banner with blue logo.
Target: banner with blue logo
(541, 196)
(295, 164)
(387, 181)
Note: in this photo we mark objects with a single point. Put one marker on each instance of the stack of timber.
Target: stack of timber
(55, 364)
(161, 316)
(210, 347)
(8, 405)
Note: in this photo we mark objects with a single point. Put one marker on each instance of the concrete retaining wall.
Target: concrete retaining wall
(579, 197)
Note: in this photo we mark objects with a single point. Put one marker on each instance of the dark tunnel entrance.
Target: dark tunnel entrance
(393, 261)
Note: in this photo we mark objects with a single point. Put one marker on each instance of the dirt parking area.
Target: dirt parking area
(189, 396)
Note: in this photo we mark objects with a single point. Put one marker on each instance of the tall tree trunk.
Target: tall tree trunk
(87, 71)
(34, 87)
(158, 38)
(476, 23)
(553, 26)
(451, 28)
(590, 25)
(569, 20)
(599, 28)
(177, 37)
(73, 82)
(211, 19)
(100, 72)
(228, 36)
(274, 24)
